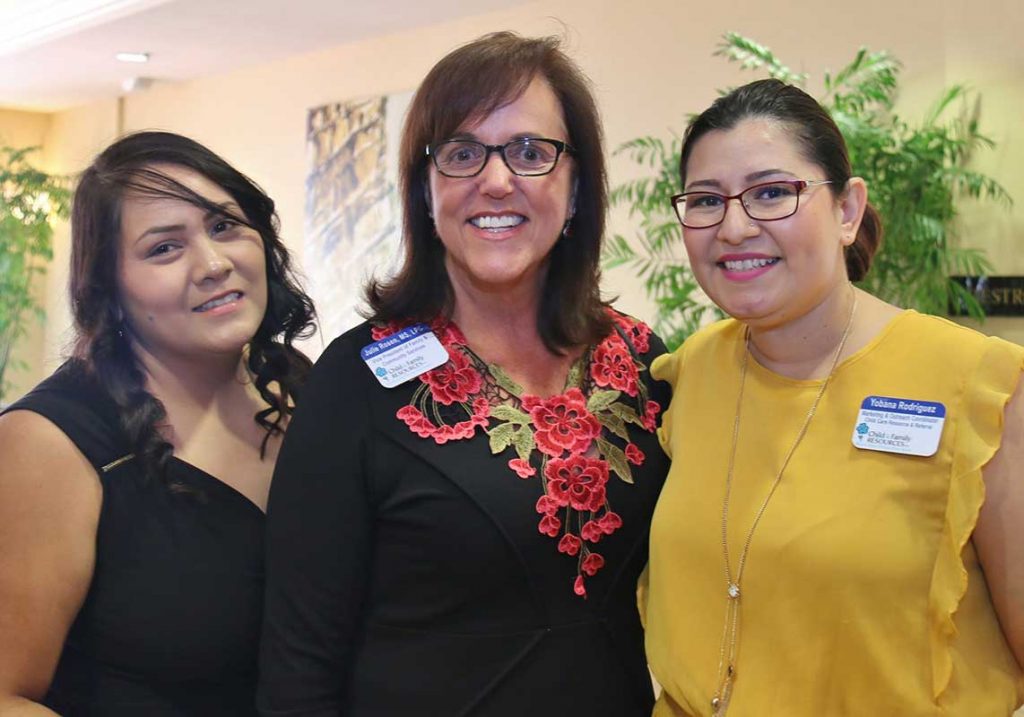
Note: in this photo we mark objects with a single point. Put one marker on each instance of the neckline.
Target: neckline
(225, 488)
(574, 377)
(761, 372)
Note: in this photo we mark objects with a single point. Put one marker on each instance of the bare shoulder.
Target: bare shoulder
(40, 461)
(50, 498)
(999, 535)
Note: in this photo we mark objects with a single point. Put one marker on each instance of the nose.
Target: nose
(495, 179)
(211, 263)
(736, 226)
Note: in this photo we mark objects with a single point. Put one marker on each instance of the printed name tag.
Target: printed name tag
(404, 355)
(899, 425)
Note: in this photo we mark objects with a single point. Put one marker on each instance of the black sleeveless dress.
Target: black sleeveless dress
(170, 625)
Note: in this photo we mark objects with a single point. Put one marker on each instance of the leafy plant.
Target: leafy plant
(29, 200)
(915, 174)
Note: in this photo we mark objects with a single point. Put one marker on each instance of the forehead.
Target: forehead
(188, 178)
(754, 144)
(137, 206)
(536, 110)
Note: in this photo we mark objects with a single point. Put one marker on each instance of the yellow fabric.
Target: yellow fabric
(862, 593)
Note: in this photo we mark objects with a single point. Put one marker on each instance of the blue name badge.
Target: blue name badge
(899, 425)
(404, 355)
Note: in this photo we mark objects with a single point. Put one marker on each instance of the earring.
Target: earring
(566, 227)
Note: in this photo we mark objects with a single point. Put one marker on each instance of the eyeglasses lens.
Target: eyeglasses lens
(776, 200)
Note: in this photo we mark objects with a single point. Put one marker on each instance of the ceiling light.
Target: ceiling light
(132, 56)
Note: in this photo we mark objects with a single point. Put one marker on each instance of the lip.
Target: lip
(746, 274)
(224, 308)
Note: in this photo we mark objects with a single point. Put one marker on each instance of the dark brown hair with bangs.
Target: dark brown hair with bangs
(467, 85)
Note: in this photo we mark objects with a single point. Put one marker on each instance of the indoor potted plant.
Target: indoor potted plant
(915, 173)
(29, 201)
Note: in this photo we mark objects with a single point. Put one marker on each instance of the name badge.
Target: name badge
(899, 425)
(404, 355)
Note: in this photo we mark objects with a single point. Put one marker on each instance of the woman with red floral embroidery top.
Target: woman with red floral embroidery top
(468, 542)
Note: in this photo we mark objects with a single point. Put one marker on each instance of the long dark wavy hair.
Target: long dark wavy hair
(131, 164)
(468, 84)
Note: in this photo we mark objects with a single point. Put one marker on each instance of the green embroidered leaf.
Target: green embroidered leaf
(523, 442)
(614, 424)
(574, 379)
(616, 459)
(602, 400)
(504, 380)
(501, 437)
(626, 413)
(510, 414)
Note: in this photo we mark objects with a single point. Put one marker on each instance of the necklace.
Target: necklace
(730, 630)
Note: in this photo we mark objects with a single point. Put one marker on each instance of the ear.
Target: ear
(427, 196)
(851, 207)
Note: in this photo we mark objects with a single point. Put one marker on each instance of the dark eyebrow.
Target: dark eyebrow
(469, 136)
(160, 230)
(766, 173)
(752, 177)
(224, 209)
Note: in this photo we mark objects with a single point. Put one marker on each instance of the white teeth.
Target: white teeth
(747, 264)
(492, 222)
(214, 303)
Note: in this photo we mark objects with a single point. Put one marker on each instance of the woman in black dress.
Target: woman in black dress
(134, 479)
(468, 542)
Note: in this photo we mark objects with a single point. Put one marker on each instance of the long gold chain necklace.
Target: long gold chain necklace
(730, 631)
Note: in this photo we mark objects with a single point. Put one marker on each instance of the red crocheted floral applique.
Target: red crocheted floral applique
(562, 423)
(569, 441)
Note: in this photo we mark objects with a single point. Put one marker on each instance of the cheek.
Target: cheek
(696, 245)
(143, 293)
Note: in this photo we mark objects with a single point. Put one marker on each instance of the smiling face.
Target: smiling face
(191, 283)
(498, 228)
(767, 273)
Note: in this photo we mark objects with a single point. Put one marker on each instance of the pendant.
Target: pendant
(720, 702)
(720, 705)
(734, 590)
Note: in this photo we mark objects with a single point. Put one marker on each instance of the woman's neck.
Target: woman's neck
(805, 347)
(498, 319)
(195, 390)
(501, 327)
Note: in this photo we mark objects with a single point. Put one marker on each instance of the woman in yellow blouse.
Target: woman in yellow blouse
(843, 533)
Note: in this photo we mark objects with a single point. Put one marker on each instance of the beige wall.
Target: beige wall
(651, 64)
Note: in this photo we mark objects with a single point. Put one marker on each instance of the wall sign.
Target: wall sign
(998, 295)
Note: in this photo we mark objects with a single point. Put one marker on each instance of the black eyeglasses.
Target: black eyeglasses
(764, 202)
(527, 157)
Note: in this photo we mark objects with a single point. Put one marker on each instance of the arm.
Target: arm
(50, 501)
(999, 535)
(318, 544)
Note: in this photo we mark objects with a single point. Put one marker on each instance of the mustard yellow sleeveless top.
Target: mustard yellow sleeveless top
(862, 593)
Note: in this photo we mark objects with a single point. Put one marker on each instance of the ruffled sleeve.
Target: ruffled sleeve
(668, 368)
(977, 438)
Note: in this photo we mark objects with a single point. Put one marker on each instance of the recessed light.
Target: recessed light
(132, 56)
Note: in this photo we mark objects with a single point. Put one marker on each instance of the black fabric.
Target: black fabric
(407, 578)
(170, 624)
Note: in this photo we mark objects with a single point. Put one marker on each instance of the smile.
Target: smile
(219, 301)
(748, 264)
(497, 223)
